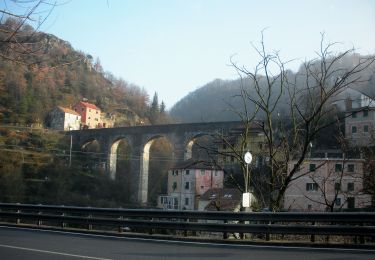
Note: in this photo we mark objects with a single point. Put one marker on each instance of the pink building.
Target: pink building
(90, 114)
(187, 181)
(323, 184)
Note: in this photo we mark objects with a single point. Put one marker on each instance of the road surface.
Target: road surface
(18, 243)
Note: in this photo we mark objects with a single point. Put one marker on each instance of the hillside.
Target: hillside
(39, 71)
(218, 100)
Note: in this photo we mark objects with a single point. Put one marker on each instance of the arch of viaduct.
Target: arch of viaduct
(140, 139)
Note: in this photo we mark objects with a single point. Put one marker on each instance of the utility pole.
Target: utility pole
(70, 149)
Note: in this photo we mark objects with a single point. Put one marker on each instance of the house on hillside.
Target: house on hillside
(360, 121)
(65, 119)
(107, 120)
(90, 114)
(187, 181)
(327, 181)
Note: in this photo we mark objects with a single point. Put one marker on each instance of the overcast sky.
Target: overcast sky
(175, 46)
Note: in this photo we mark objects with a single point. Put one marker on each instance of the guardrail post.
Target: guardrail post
(185, 230)
(63, 224)
(362, 237)
(120, 227)
(150, 231)
(312, 237)
(40, 222)
(18, 221)
(225, 234)
(268, 233)
(90, 225)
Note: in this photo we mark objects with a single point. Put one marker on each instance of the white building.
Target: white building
(65, 119)
(324, 182)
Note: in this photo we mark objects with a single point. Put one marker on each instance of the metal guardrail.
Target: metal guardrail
(359, 225)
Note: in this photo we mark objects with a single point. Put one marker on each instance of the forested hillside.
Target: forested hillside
(39, 71)
(220, 99)
(46, 71)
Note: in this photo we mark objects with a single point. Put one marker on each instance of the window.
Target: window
(354, 115)
(354, 129)
(203, 172)
(232, 158)
(186, 201)
(351, 203)
(365, 128)
(312, 167)
(311, 186)
(175, 173)
(89, 117)
(365, 113)
(224, 146)
(350, 167)
(338, 201)
(350, 186)
(309, 207)
(202, 187)
(187, 172)
(174, 185)
(337, 186)
(82, 109)
(216, 173)
(187, 185)
(338, 167)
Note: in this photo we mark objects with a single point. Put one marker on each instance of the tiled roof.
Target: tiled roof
(223, 193)
(89, 105)
(222, 199)
(68, 111)
(194, 164)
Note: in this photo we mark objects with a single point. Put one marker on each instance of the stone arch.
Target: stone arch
(88, 142)
(188, 154)
(91, 149)
(112, 156)
(144, 167)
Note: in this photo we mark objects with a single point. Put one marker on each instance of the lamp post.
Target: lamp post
(70, 148)
(246, 197)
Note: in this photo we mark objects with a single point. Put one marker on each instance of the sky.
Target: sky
(173, 47)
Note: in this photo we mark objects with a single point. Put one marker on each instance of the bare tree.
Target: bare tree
(308, 94)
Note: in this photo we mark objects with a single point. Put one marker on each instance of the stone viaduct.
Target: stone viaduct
(140, 138)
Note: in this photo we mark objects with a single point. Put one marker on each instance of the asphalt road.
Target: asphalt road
(36, 244)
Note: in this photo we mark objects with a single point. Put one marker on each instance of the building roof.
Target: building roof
(366, 90)
(194, 164)
(89, 105)
(68, 111)
(222, 199)
(359, 109)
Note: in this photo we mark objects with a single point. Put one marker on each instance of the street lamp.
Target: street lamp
(246, 200)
